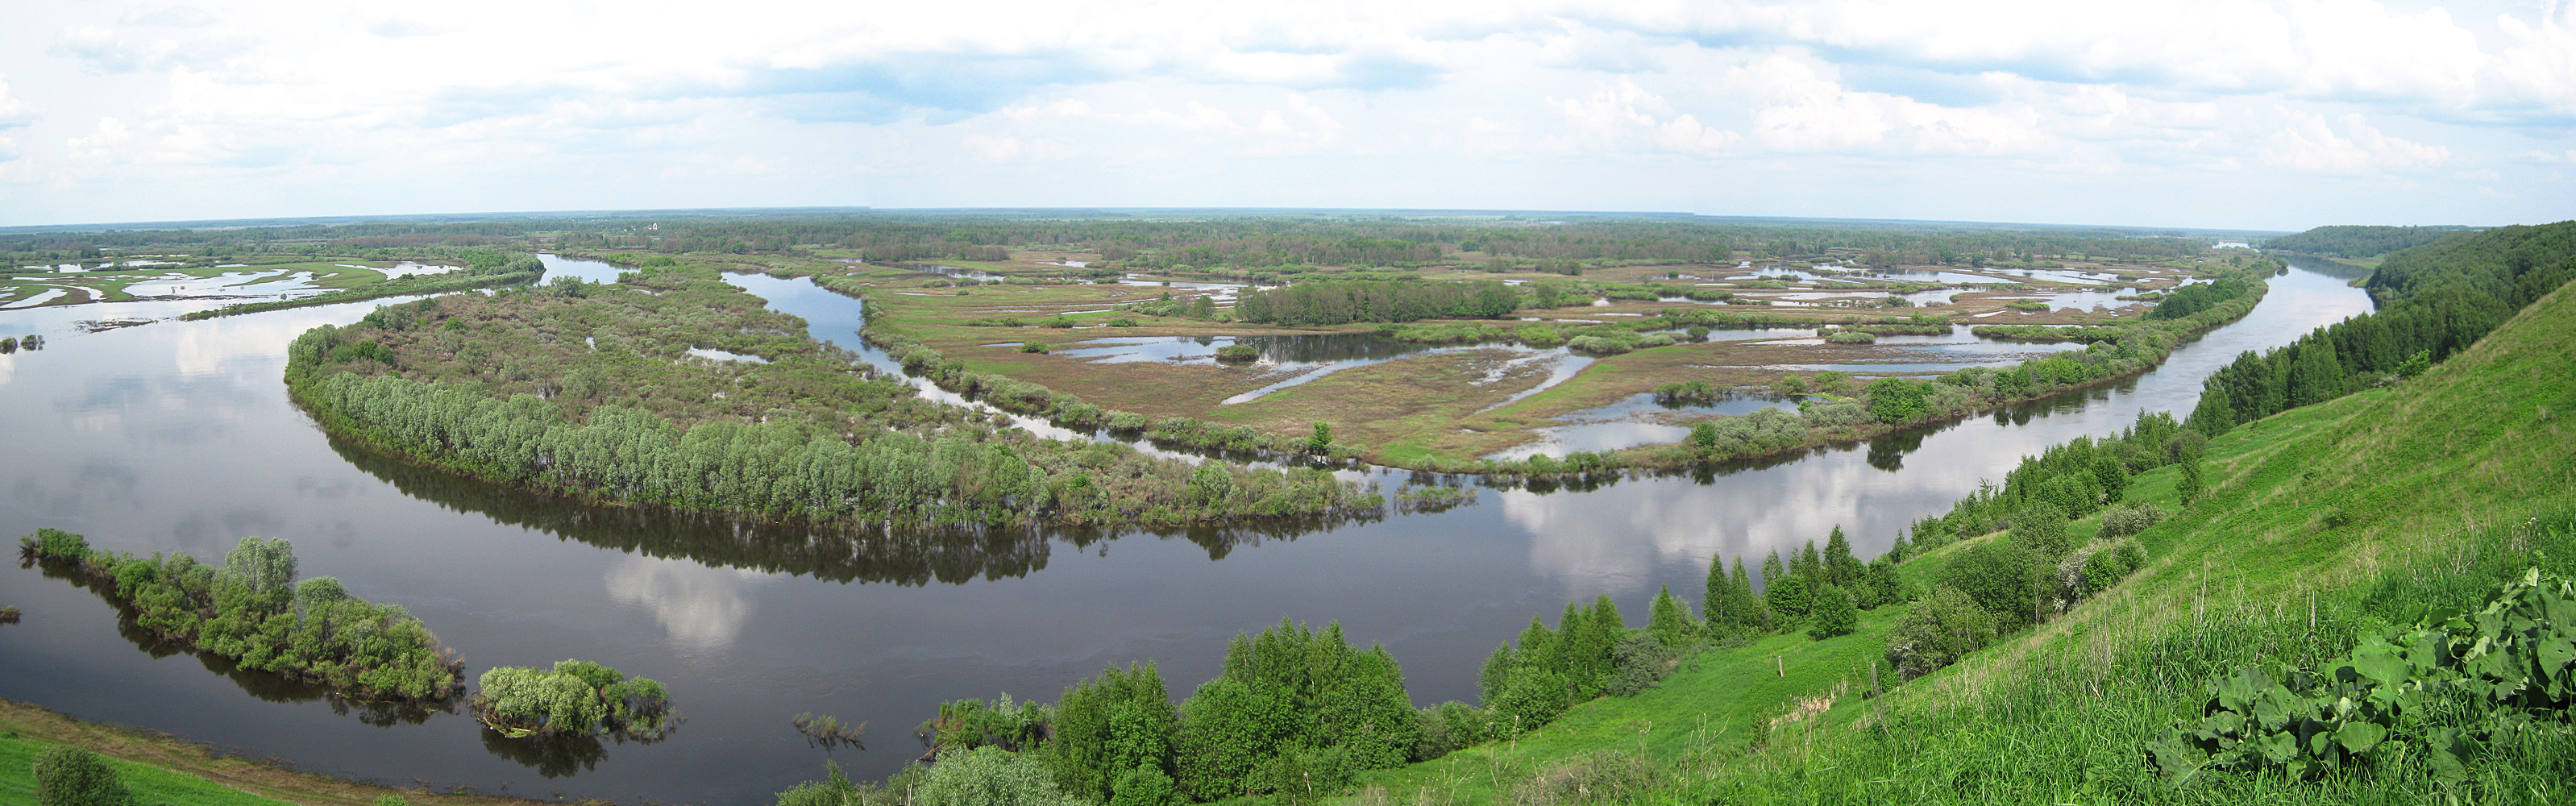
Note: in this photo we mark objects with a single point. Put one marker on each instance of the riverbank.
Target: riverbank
(167, 769)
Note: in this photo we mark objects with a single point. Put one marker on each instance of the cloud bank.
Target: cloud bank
(2199, 112)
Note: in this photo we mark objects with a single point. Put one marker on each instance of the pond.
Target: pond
(177, 436)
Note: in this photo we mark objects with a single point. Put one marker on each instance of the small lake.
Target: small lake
(177, 436)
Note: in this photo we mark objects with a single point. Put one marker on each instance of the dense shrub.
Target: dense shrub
(74, 776)
(1788, 596)
(1936, 630)
(575, 698)
(2001, 576)
(990, 776)
(1834, 614)
(2128, 519)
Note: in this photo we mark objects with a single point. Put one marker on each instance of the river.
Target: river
(177, 436)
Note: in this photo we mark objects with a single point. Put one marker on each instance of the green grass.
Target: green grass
(2374, 507)
(151, 785)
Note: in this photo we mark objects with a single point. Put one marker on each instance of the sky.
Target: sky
(2188, 113)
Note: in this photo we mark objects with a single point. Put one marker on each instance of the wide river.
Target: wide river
(178, 437)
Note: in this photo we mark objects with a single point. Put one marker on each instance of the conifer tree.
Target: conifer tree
(1497, 675)
(1771, 568)
(1713, 601)
(1810, 564)
(1841, 568)
(1753, 612)
(2190, 486)
(1670, 622)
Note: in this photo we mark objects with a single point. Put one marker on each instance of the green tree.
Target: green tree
(1670, 621)
(74, 776)
(2042, 528)
(1109, 725)
(1320, 442)
(1703, 436)
(2003, 577)
(1841, 568)
(1835, 614)
(2190, 485)
(1146, 785)
(1788, 596)
(261, 564)
(1896, 400)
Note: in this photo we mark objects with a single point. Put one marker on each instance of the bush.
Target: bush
(1936, 630)
(73, 776)
(1788, 596)
(1038, 347)
(575, 698)
(2128, 519)
(1638, 663)
(2003, 577)
(2041, 528)
(1237, 352)
(1534, 698)
(1835, 614)
(989, 776)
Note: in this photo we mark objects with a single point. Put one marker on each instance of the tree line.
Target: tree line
(1340, 302)
(2436, 301)
(2359, 241)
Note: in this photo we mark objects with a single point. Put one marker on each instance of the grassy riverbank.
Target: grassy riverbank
(161, 768)
(2317, 523)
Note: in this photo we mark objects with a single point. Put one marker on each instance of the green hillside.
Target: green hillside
(2319, 521)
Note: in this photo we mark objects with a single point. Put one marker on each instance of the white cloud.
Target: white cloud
(476, 104)
(2309, 144)
(13, 112)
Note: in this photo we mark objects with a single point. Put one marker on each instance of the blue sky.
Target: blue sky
(2204, 113)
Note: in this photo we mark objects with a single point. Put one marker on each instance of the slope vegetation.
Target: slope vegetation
(2318, 523)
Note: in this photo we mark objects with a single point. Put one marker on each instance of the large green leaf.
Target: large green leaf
(2359, 737)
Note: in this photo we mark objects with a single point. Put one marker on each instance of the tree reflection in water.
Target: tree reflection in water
(266, 686)
(836, 552)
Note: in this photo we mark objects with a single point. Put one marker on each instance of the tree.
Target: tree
(1841, 568)
(1670, 621)
(74, 776)
(1835, 614)
(1321, 442)
(261, 565)
(2190, 485)
(1788, 596)
(2042, 528)
(1703, 436)
(1109, 725)
(1771, 568)
(1144, 786)
(1896, 400)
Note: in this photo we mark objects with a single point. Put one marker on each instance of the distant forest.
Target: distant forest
(2359, 242)
(1134, 244)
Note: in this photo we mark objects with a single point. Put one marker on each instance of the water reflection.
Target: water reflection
(702, 608)
(263, 686)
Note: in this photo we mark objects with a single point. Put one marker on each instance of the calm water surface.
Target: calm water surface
(177, 436)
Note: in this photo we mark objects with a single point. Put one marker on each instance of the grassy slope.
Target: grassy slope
(161, 769)
(2372, 506)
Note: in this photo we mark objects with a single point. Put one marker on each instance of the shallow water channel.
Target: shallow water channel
(177, 436)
